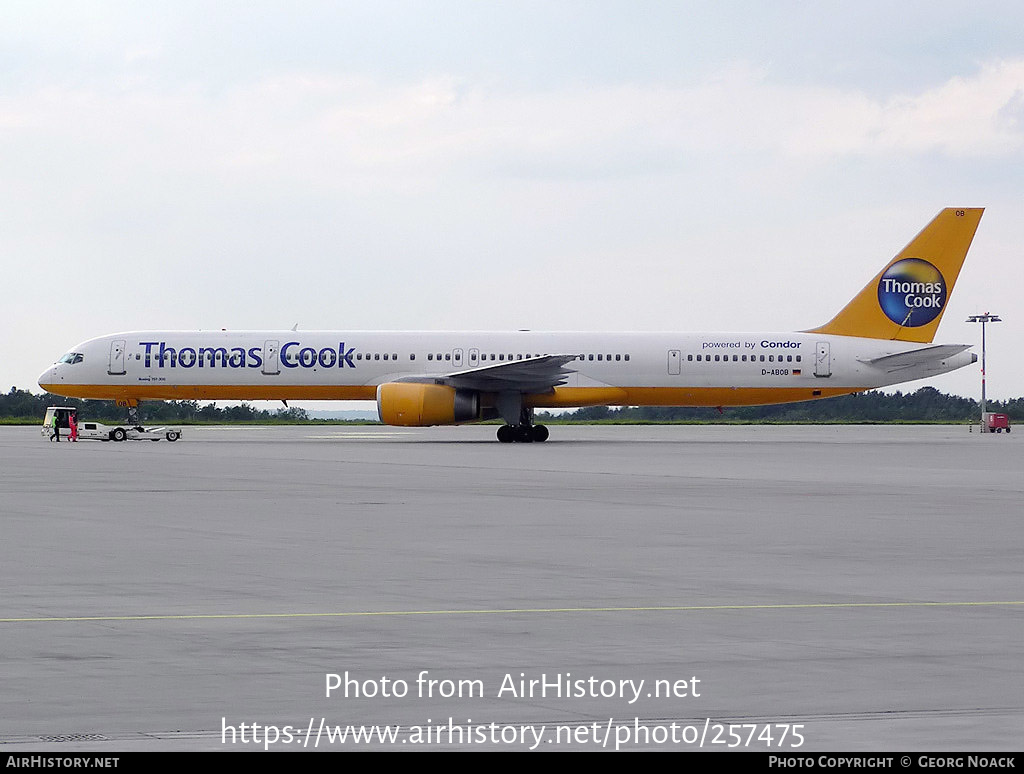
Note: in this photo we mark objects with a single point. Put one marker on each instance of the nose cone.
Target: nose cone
(48, 379)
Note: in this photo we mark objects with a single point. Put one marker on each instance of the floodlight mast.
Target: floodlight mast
(983, 318)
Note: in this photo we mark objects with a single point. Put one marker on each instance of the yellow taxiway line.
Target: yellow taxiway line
(510, 611)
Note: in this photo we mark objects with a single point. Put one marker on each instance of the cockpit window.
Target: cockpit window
(72, 357)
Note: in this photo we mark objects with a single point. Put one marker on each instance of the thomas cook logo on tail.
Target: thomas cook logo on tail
(912, 292)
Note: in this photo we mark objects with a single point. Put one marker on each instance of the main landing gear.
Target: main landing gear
(522, 433)
(520, 427)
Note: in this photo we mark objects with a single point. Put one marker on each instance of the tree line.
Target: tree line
(22, 404)
(924, 405)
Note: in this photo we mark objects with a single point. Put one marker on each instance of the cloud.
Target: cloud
(962, 117)
(331, 130)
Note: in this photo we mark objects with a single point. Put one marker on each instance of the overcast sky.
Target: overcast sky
(484, 165)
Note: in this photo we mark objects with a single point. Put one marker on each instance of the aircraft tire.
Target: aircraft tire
(506, 434)
(539, 433)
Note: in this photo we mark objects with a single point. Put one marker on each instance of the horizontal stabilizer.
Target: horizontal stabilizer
(916, 357)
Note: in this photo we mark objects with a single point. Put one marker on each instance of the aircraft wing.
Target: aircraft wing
(916, 357)
(530, 375)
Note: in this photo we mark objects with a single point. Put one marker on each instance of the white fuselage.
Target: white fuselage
(709, 369)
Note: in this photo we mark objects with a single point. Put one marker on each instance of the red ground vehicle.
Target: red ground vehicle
(994, 423)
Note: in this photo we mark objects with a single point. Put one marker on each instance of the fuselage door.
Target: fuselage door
(673, 362)
(116, 367)
(822, 359)
(457, 358)
(474, 358)
(271, 357)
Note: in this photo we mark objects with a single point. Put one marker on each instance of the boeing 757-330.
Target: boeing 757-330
(420, 378)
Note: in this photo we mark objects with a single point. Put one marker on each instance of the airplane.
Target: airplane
(421, 378)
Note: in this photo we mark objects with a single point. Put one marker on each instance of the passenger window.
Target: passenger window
(599, 357)
(447, 355)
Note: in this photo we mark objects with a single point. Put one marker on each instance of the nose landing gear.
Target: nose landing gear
(133, 413)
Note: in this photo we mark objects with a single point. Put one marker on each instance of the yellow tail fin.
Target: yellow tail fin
(905, 301)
